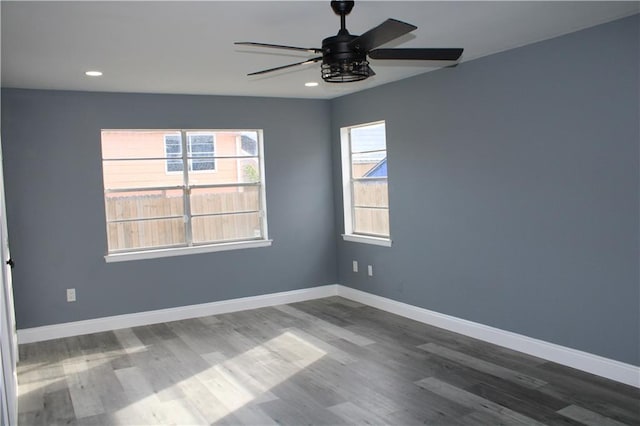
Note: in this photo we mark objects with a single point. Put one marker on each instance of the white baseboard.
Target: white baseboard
(77, 328)
(605, 367)
(611, 369)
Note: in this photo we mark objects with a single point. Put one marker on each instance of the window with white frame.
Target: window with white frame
(365, 183)
(158, 201)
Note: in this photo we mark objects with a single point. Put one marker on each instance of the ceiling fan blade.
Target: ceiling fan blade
(309, 61)
(417, 54)
(278, 46)
(383, 33)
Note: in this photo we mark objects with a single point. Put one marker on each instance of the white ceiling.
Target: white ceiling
(187, 47)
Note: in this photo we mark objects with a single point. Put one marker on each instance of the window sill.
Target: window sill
(181, 251)
(385, 242)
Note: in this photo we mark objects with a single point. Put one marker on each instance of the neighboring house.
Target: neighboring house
(379, 170)
(163, 165)
(368, 150)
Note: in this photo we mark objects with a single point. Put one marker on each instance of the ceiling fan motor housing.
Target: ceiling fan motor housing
(342, 63)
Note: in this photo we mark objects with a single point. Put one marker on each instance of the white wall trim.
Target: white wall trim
(77, 328)
(605, 367)
(595, 364)
(376, 241)
(181, 251)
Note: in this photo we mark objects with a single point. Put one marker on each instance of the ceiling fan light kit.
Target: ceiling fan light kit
(344, 56)
(345, 71)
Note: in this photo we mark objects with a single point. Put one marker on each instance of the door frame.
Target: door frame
(8, 334)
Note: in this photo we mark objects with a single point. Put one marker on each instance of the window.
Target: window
(365, 189)
(198, 145)
(154, 207)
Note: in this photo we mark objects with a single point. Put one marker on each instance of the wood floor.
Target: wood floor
(324, 362)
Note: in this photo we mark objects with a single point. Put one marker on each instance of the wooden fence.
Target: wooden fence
(374, 218)
(134, 234)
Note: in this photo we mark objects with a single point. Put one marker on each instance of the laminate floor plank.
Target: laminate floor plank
(32, 418)
(587, 417)
(200, 337)
(566, 377)
(321, 362)
(234, 372)
(335, 330)
(484, 366)
(340, 379)
(160, 370)
(34, 380)
(624, 407)
(59, 409)
(329, 348)
(84, 392)
(144, 406)
(322, 393)
(423, 416)
(529, 406)
(351, 414)
(475, 402)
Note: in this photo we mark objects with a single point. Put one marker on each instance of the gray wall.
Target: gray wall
(53, 177)
(514, 185)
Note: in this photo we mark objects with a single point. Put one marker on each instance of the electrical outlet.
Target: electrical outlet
(71, 295)
(370, 270)
(355, 266)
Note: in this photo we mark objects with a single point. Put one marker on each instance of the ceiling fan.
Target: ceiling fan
(344, 56)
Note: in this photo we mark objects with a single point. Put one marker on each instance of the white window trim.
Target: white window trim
(347, 196)
(366, 239)
(181, 251)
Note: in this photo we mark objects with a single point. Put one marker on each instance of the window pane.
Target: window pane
(225, 200)
(248, 144)
(138, 174)
(227, 170)
(371, 164)
(200, 143)
(372, 193)
(140, 144)
(199, 165)
(174, 165)
(173, 149)
(368, 138)
(371, 221)
(173, 145)
(145, 234)
(230, 227)
(144, 204)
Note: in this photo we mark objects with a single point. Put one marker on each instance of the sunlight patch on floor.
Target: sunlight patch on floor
(249, 377)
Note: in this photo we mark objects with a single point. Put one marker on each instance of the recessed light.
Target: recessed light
(93, 73)
(311, 84)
